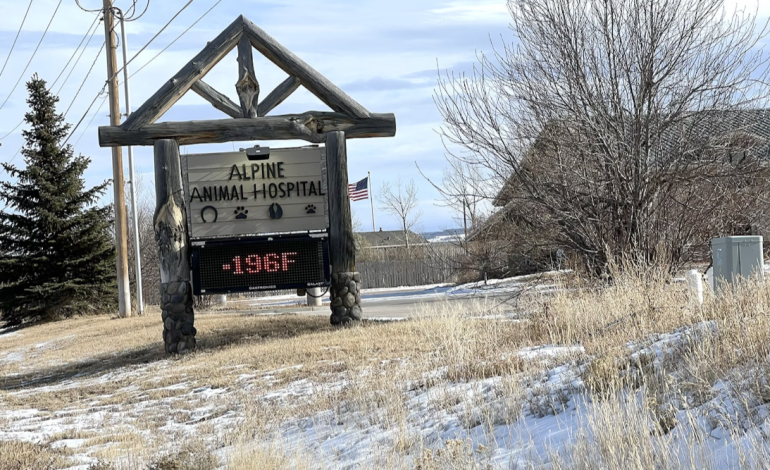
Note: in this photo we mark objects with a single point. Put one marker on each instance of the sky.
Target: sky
(386, 55)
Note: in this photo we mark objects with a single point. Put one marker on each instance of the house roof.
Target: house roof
(387, 238)
(749, 128)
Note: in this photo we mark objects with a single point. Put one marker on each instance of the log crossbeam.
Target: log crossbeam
(311, 127)
(217, 99)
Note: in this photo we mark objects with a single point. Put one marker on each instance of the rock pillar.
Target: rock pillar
(345, 296)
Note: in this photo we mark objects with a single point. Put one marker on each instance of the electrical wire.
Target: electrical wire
(98, 54)
(62, 72)
(133, 7)
(77, 2)
(175, 40)
(139, 69)
(12, 130)
(33, 55)
(96, 20)
(17, 37)
(9, 162)
(85, 129)
(84, 115)
(152, 39)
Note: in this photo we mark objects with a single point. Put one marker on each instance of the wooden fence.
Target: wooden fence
(397, 273)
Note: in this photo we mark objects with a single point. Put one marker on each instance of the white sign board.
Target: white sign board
(230, 195)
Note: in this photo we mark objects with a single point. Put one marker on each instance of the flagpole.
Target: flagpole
(371, 198)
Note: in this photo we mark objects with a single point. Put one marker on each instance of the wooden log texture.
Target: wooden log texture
(279, 95)
(175, 88)
(217, 99)
(247, 86)
(342, 248)
(170, 223)
(311, 126)
(316, 83)
(170, 219)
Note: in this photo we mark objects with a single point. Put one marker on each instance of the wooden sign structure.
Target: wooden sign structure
(231, 194)
(258, 219)
(250, 121)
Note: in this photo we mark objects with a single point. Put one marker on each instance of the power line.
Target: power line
(77, 2)
(95, 23)
(33, 55)
(133, 8)
(176, 39)
(76, 63)
(63, 70)
(17, 37)
(139, 69)
(98, 54)
(12, 130)
(84, 115)
(152, 39)
(85, 129)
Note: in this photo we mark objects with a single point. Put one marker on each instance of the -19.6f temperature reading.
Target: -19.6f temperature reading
(221, 267)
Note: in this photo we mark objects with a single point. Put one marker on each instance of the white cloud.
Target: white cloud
(492, 12)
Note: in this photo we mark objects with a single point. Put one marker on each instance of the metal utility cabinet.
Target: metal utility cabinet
(736, 257)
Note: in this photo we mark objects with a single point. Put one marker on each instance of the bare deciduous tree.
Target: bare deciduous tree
(148, 247)
(614, 125)
(401, 202)
(464, 188)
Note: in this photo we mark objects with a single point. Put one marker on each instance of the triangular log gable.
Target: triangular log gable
(240, 33)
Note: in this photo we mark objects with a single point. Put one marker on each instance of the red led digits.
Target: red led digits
(286, 261)
(253, 264)
(270, 262)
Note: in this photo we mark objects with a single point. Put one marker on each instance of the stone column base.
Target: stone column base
(178, 317)
(345, 296)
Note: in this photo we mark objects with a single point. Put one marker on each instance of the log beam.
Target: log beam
(217, 99)
(247, 86)
(316, 83)
(311, 127)
(174, 89)
(277, 96)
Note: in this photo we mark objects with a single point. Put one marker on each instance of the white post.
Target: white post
(371, 197)
(313, 295)
(695, 283)
(131, 180)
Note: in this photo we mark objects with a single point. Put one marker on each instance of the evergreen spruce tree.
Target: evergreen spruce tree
(57, 257)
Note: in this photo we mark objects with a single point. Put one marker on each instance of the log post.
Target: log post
(345, 292)
(171, 235)
(247, 86)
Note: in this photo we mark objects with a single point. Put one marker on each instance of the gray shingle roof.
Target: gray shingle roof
(390, 238)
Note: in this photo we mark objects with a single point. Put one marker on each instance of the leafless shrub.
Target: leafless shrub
(612, 126)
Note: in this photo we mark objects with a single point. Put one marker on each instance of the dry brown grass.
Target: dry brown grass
(15, 455)
(372, 370)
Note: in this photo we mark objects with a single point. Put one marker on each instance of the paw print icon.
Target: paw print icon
(240, 212)
(310, 209)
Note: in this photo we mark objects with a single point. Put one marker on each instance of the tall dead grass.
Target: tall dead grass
(465, 355)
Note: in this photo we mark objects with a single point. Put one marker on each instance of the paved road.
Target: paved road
(396, 303)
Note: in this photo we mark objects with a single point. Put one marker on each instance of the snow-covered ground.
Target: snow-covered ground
(510, 285)
(501, 422)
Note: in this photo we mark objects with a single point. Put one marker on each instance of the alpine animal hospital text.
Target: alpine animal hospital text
(257, 171)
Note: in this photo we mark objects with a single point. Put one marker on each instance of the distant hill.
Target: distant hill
(444, 236)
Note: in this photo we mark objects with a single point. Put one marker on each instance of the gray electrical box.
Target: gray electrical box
(736, 257)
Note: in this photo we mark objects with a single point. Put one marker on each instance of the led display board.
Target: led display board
(234, 194)
(260, 265)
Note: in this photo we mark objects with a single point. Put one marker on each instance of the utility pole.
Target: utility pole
(131, 176)
(121, 223)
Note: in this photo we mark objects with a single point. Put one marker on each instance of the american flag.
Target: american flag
(359, 191)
